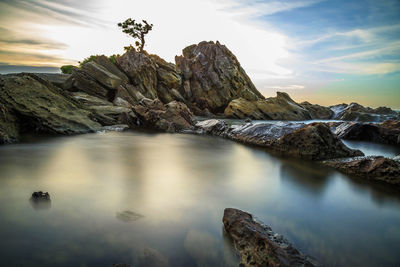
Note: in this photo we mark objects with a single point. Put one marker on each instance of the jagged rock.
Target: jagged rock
(111, 115)
(43, 107)
(212, 77)
(112, 68)
(356, 112)
(89, 100)
(172, 117)
(387, 132)
(258, 245)
(374, 168)
(317, 111)
(142, 72)
(101, 75)
(281, 107)
(9, 126)
(308, 141)
(41, 195)
(82, 81)
(56, 79)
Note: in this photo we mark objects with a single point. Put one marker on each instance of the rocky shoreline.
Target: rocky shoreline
(140, 90)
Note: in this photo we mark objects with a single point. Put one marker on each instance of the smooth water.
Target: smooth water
(116, 197)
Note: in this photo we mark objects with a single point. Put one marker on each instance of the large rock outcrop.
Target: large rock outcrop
(308, 141)
(387, 132)
(212, 77)
(9, 126)
(357, 112)
(281, 107)
(258, 245)
(39, 106)
(374, 168)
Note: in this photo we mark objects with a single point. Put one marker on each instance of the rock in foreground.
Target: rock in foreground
(313, 141)
(258, 245)
(375, 168)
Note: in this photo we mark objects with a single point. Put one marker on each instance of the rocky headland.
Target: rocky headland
(141, 90)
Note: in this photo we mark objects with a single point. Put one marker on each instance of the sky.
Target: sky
(321, 51)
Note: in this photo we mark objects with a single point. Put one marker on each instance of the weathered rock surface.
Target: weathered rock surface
(258, 245)
(317, 111)
(281, 107)
(374, 168)
(9, 126)
(356, 112)
(40, 106)
(55, 78)
(212, 77)
(308, 141)
(387, 132)
(172, 117)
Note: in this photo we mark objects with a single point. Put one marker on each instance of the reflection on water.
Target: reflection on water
(172, 190)
(373, 149)
(40, 204)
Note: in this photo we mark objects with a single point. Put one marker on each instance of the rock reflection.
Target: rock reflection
(40, 204)
(128, 216)
(308, 176)
(152, 258)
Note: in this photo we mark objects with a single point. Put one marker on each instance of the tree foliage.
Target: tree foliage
(67, 69)
(136, 31)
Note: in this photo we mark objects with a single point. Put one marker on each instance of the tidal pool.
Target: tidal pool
(133, 197)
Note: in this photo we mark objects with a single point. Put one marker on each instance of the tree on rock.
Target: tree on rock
(136, 30)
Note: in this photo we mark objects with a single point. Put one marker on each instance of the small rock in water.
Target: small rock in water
(128, 216)
(120, 265)
(247, 120)
(40, 196)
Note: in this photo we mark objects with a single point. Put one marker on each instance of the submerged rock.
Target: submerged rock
(308, 141)
(373, 168)
(152, 258)
(387, 132)
(258, 245)
(357, 112)
(212, 77)
(281, 107)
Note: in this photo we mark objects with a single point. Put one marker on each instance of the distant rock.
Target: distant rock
(37, 106)
(373, 168)
(281, 107)
(387, 132)
(258, 245)
(41, 195)
(308, 141)
(212, 77)
(318, 112)
(356, 112)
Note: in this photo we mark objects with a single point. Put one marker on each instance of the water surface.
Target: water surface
(117, 196)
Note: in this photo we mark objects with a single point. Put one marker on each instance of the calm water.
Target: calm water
(117, 196)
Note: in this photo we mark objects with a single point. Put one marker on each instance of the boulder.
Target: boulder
(308, 141)
(56, 79)
(281, 107)
(212, 77)
(43, 107)
(387, 132)
(356, 112)
(258, 245)
(373, 168)
(318, 112)
(141, 70)
(112, 68)
(102, 75)
(172, 117)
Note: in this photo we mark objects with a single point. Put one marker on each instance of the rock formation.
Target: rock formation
(317, 111)
(308, 141)
(281, 107)
(31, 104)
(356, 112)
(258, 245)
(212, 77)
(374, 168)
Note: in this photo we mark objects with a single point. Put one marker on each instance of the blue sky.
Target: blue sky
(325, 52)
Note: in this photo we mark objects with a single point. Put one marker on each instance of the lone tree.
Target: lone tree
(136, 30)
